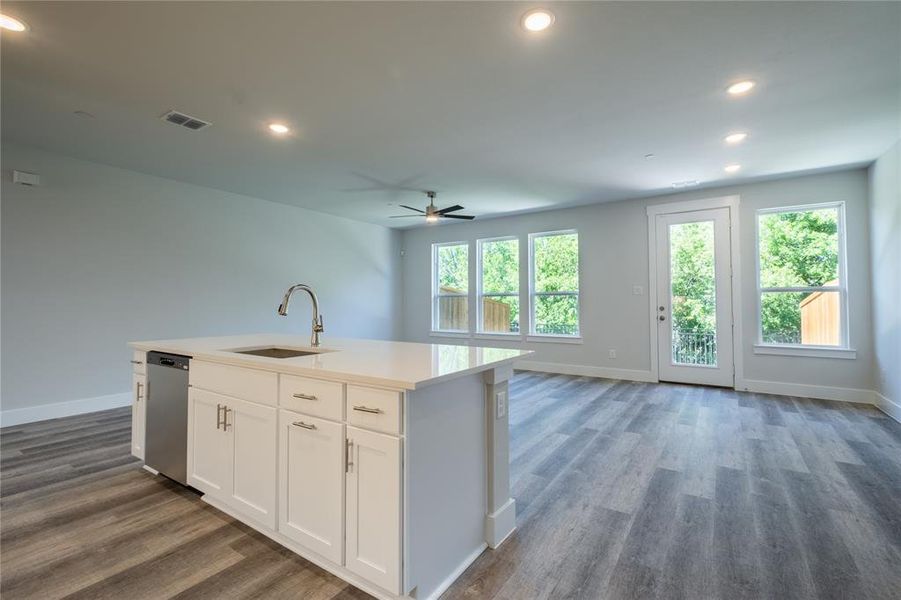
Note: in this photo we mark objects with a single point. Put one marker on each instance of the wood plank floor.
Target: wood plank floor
(624, 490)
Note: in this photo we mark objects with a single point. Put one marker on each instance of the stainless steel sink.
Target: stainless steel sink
(275, 352)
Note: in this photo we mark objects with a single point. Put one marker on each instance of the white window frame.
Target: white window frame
(843, 350)
(541, 337)
(480, 292)
(436, 295)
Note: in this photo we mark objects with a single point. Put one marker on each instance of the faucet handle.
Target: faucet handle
(318, 326)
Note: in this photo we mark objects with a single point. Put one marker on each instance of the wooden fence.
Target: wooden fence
(453, 313)
(820, 320)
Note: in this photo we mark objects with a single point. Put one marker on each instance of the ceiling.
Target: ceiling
(455, 97)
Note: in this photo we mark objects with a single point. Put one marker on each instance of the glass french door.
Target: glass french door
(694, 297)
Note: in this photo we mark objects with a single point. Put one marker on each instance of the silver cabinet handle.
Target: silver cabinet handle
(225, 423)
(366, 409)
(138, 396)
(218, 416)
(304, 425)
(348, 453)
(305, 396)
(137, 362)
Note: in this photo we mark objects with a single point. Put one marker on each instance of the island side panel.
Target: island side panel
(446, 479)
(500, 520)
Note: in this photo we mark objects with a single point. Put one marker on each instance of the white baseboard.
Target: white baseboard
(585, 370)
(500, 524)
(42, 412)
(803, 390)
(890, 408)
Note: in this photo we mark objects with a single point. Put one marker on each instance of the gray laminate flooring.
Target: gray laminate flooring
(623, 490)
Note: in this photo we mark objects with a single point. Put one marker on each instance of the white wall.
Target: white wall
(614, 242)
(97, 256)
(885, 255)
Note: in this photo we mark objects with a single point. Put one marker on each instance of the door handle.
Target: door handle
(662, 318)
(348, 453)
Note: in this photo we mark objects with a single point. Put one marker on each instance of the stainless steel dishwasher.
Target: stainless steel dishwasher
(166, 442)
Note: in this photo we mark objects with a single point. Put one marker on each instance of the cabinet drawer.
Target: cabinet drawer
(139, 362)
(379, 410)
(238, 382)
(312, 396)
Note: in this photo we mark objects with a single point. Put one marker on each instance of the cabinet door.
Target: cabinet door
(138, 401)
(373, 508)
(311, 507)
(209, 445)
(253, 429)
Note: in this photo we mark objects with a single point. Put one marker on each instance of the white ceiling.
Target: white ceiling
(454, 96)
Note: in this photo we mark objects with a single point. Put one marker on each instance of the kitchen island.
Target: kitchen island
(385, 463)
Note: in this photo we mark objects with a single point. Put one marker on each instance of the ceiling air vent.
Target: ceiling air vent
(186, 121)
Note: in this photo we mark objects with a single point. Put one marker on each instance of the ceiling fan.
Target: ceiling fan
(432, 213)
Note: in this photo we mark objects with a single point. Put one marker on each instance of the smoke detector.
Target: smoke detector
(186, 121)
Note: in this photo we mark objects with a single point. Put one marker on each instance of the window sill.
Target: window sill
(450, 334)
(809, 351)
(554, 339)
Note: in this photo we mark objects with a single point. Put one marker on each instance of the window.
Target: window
(450, 287)
(498, 285)
(554, 283)
(802, 286)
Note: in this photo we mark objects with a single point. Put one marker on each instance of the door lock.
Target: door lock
(662, 308)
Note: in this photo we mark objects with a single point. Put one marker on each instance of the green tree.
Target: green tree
(500, 275)
(557, 270)
(453, 267)
(692, 277)
(796, 249)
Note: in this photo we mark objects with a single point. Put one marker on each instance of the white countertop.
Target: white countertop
(400, 365)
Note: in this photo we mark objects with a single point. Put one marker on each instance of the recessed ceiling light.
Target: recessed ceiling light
(732, 168)
(7, 22)
(650, 155)
(741, 87)
(537, 20)
(278, 128)
(735, 138)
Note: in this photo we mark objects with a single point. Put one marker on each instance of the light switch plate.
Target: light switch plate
(637, 290)
(501, 404)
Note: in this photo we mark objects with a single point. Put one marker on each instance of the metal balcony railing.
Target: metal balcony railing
(694, 347)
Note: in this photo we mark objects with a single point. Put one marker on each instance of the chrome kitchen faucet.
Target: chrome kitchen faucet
(317, 318)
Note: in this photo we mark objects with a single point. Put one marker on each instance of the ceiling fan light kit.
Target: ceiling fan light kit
(432, 213)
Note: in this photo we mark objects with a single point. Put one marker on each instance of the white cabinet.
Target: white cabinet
(373, 508)
(210, 448)
(232, 453)
(138, 412)
(253, 429)
(311, 507)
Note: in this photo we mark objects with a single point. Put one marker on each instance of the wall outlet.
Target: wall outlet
(637, 290)
(501, 402)
(611, 353)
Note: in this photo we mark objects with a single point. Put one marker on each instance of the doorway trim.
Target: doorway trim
(732, 203)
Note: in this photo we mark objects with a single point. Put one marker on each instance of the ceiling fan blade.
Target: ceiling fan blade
(411, 208)
(405, 216)
(449, 209)
(467, 217)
